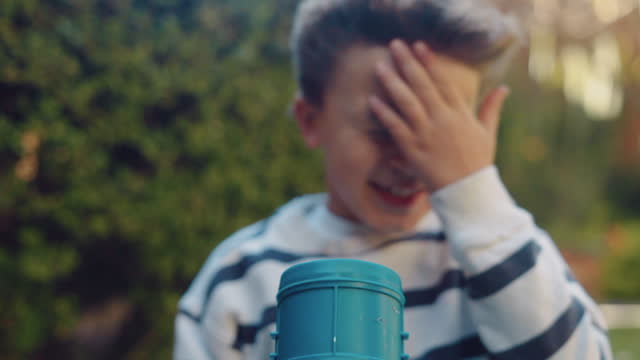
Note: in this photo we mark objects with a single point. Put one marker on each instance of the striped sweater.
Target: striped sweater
(481, 281)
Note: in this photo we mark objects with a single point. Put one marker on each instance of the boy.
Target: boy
(388, 92)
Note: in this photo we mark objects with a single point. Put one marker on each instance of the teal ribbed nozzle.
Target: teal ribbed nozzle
(339, 309)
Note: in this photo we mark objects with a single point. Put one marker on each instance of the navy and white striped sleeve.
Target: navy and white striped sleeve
(205, 326)
(193, 341)
(203, 332)
(523, 304)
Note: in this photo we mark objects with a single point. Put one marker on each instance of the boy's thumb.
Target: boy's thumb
(489, 114)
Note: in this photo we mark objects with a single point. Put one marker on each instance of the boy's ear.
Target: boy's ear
(306, 115)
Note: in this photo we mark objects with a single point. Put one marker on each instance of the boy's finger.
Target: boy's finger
(447, 91)
(415, 75)
(397, 127)
(402, 96)
(489, 114)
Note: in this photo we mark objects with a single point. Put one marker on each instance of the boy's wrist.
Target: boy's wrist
(477, 203)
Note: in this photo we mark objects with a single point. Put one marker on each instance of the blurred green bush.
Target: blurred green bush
(622, 265)
(136, 134)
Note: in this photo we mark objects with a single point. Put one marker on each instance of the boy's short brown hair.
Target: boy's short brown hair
(471, 31)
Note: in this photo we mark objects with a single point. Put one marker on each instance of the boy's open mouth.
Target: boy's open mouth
(398, 195)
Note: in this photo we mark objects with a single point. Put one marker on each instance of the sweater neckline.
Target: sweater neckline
(346, 236)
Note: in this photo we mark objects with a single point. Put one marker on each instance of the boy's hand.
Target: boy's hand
(434, 125)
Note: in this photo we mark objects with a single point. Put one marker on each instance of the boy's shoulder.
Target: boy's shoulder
(270, 234)
(271, 231)
(266, 239)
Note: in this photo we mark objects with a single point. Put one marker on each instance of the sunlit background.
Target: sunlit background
(137, 134)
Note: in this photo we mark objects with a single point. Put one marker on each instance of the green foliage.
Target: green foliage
(147, 132)
(136, 134)
(556, 161)
(623, 264)
(624, 343)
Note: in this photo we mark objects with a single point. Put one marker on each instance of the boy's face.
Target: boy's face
(369, 179)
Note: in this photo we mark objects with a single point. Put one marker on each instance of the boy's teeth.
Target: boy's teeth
(400, 192)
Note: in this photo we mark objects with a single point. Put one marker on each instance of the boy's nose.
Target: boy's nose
(399, 163)
(395, 156)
